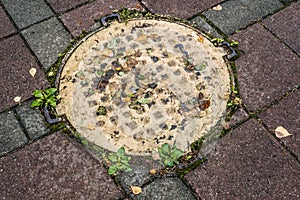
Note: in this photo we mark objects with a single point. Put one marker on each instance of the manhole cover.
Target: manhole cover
(142, 84)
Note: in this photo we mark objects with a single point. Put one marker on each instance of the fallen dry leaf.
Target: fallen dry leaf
(218, 8)
(152, 171)
(136, 189)
(281, 132)
(17, 99)
(32, 72)
(201, 39)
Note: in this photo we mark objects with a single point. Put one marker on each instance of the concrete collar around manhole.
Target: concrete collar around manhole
(144, 83)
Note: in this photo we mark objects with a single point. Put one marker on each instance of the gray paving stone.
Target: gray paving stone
(60, 6)
(25, 13)
(165, 189)
(286, 25)
(6, 27)
(82, 18)
(179, 8)
(15, 63)
(286, 114)
(33, 120)
(266, 69)
(11, 134)
(248, 164)
(47, 39)
(139, 175)
(55, 167)
(204, 26)
(237, 14)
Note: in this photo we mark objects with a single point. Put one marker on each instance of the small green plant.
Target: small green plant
(118, 162)
(234, 103)
(169, 155)
(45, 98)
(221, 40)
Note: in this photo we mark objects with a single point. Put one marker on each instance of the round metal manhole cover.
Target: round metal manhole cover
(142, 84)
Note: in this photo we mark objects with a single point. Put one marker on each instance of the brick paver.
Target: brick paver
(266, 69)
(202, 25)
(166, 189)
(15, 63)
(55, 167)
(25, 13)
(32, 120)
(286, 25)
(6, 27)
(286, 114)
(248, 164)
(239, 116)
(60, 6)
(237, 14)
(82, 18)
(11, 134)
(47, 39)
(178, 8)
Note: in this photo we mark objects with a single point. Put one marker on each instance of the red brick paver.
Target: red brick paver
(248, 164)
(286, 114)
(55, 167)
(83, 17)
(286, 25)
(6, 27)
(60, 6)
(15, 63)
(266, 69)
(180, 8)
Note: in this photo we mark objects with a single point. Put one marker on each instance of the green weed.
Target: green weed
(48, 97)
(169, 155)
(119, 162)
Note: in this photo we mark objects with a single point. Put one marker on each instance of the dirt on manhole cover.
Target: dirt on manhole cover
(142, 84)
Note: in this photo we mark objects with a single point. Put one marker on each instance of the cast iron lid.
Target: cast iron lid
(143, 83)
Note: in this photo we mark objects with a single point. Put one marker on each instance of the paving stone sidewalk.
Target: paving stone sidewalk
(249, 162)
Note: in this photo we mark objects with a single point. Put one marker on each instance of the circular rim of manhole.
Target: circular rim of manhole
(113, 90)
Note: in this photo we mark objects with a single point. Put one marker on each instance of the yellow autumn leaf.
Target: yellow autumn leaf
(217, 8)
(32, 71)
(17, 99)
(152, 171)
(136, 189)
(201, 39)
(281, 132)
